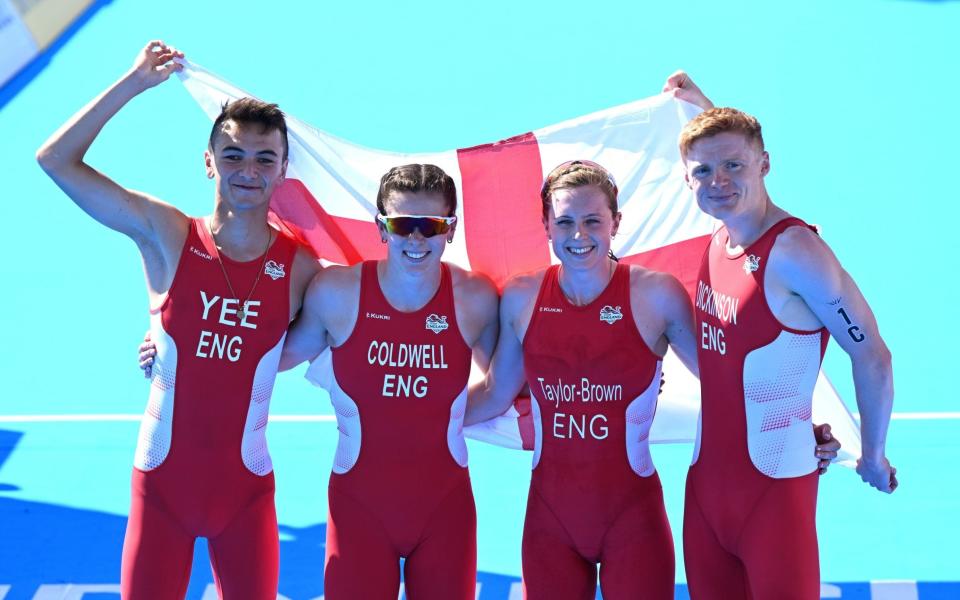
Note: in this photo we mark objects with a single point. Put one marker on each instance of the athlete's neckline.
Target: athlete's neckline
(745, 249)
(436, 294)
(206, 237)
(588, 305)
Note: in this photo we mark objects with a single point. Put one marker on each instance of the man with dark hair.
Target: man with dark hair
(223, 289)
(769, 295)
(252, 111)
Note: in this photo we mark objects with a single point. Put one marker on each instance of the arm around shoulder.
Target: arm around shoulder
(477, 313)
(307, 335)
(327, 316)
(504, 379)
(671, 301)
(305, 268)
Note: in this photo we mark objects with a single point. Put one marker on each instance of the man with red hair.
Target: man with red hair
(769, 295)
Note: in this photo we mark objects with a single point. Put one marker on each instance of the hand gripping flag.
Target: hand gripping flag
(328, 203)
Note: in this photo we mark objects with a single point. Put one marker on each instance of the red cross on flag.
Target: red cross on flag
(328, 202)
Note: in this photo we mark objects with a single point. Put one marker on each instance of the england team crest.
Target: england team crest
(751, 264)
(610, 314)
(436, 323)
(273, 270)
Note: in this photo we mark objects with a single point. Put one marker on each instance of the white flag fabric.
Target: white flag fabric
(328, 203)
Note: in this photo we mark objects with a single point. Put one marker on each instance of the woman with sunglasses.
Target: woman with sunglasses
(402, 331)
(588, 336)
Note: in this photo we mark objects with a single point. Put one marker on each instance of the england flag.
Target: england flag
(328, 203)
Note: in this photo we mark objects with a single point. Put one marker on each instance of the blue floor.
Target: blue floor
(64, 489)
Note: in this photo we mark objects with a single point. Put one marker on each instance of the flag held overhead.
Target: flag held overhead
(328, 203)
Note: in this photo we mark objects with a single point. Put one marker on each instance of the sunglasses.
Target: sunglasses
(405, 225)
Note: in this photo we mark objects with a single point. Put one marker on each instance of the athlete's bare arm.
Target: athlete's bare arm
(305, 268)
(682, 87)
(492, 396)
(477, 304)
(327, 317)
(803, 267)
(307, 336)
(157, 228)
(664, 314)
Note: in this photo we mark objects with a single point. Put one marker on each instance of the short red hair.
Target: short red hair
(716, 121)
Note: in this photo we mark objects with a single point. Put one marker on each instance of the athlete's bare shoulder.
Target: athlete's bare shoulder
(661, 307)
(799, 253)
(477, 306)
(336, 282)
(656, 287)
(474, 292)
(306, 263)
(333, 297)
(641, 276)
(798, 240)
(471, 282)
(332, 288)
(519, 296)
(524, 286)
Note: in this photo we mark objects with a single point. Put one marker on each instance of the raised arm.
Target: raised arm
(808, 268)
(137, 215)
(492, 396)
(682, 87)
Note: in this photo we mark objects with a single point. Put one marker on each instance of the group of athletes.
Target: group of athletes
(233, 300)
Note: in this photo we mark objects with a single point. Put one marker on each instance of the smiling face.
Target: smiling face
(580, 225)
(414, 251)
(726, 172)
(247, 164)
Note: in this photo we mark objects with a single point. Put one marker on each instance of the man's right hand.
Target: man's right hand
(154, 64)
(158, 228)
(879, 474)
(148, 352)
(827, 446)
(681, 86)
